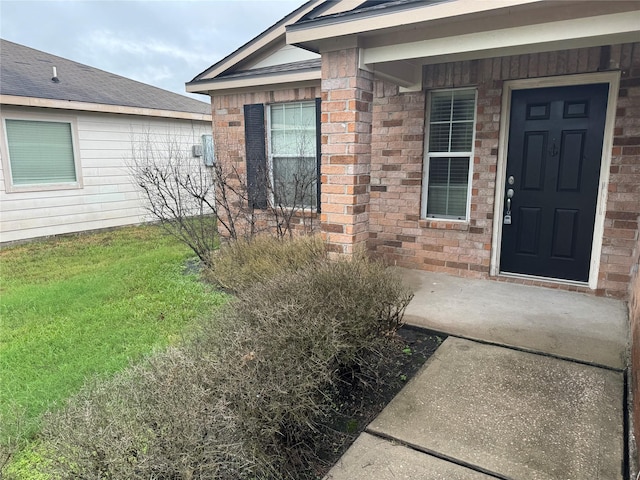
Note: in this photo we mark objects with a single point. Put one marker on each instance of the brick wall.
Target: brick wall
(397, 232)
(634, 318)
(346, 151)
(372, 156)
(623, 206)
(229, 141)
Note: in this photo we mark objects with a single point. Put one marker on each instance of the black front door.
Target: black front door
(553, 170)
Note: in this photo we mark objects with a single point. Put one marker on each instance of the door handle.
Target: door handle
(507, 215)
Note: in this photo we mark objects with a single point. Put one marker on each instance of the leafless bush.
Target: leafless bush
(193, 201)
(293, 196)
(310, 333)
(245, 397)
(163, 419)
(189, 199)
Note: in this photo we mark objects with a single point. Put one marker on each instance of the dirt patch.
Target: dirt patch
(356, 408)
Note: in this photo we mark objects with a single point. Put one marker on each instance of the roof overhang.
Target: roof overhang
(99, 107)
(394, 45)
(275, 80)
(310, 34)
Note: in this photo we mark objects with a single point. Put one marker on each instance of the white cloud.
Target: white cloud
(114, 44)
(163, 43)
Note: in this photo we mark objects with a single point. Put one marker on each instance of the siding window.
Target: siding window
(448, 156)
(292, 154)
(208, 156)
(41, 153)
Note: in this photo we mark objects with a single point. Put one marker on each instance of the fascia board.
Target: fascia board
(618, 27)
(321, 29)
(101, 108)
(219, 84)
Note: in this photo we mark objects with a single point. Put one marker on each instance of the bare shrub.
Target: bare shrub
(244, 263)
(310, 334)
(163, 419)
(293, 196)
(193, 201)
(189, 199)
(248, 395)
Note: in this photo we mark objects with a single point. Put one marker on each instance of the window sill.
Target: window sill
(444, 224)
(297, 211)
(44, 187)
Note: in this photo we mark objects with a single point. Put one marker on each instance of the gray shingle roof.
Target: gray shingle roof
(313, 64)
(370, 7)
(27, 72)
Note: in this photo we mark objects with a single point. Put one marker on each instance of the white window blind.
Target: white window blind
(450, 150)
(40, 152)
(448, 185)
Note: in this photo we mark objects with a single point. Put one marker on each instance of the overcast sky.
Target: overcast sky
(162, 43)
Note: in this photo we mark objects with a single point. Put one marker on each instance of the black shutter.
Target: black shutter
(254, 137)
(318, 148)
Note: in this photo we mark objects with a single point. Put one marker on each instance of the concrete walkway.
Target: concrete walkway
(489, 409)
(565, 324)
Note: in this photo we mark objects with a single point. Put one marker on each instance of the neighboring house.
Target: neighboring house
(492, 139)
(67, 132)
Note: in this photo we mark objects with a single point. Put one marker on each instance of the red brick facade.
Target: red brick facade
(634, 320)
(373, 148)
(346, 151)
(397, 232)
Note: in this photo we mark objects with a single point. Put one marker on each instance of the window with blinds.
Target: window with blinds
(292, 154)
(450, 150)
(40, 153)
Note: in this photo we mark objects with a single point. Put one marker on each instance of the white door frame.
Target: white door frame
(613, 79)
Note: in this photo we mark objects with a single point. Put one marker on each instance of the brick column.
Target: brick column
(347, 95)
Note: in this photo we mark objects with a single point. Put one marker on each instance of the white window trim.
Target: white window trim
(270, 156)
(6, 163)
(428, 155)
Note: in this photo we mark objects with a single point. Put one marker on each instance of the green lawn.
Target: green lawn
(89, 304)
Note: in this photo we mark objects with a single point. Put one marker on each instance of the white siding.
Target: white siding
(108, 197)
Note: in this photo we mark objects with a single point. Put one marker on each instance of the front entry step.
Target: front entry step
(564, 324)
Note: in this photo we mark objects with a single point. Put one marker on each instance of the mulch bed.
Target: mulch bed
(355, 409)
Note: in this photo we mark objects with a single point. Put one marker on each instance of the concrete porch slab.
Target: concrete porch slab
(515, 414)
(565, 324)
(373, 458)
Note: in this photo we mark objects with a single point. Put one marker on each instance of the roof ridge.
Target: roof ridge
(23, 76)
